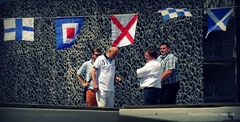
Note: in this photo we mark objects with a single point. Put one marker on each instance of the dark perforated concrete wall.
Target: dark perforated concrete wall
(37, 73)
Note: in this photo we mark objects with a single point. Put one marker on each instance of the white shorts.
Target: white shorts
(105, 98)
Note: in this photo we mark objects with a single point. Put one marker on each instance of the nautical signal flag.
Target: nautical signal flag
(169, 13)
(19, 29)
(66, 31)
(218, 19)
(123, 29)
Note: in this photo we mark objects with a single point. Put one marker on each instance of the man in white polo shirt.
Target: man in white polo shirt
(103, 76)
(150, 78)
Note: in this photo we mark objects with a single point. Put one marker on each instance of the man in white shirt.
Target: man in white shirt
(150, 78)
(103, 76)
(85, 70)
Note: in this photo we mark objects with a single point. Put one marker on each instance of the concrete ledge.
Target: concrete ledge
(166, 113)
(61, 114)
(203, 113)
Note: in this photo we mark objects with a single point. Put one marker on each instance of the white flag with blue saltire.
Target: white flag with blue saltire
(19, 29)
(169, 13)
(218, 19)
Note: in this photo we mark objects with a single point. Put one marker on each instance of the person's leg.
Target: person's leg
(88, 98)
(150, 96)
(101, 98)
(110, 99)
(146, 97)
(157, 94)
(163, 96)
(169, 93)
(91, 98)
(175, 88)
(170, 96)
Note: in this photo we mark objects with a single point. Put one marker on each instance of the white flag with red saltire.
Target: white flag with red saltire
(123, 29)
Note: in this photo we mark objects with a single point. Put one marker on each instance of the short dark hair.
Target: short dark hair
(96, 50)
(152, 53)
(165, 43)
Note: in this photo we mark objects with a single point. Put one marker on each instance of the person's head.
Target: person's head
(150, 54)
(164, 48)
(95, 53)
(113, 52)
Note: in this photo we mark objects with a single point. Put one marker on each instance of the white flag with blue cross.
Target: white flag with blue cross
(19, 29)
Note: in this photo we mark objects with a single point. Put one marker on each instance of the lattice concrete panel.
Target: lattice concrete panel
(37, 73)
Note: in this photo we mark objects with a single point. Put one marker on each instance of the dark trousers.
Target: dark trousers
(151, 95)
(169, 93)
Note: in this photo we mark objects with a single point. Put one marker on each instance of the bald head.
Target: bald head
(112, 52)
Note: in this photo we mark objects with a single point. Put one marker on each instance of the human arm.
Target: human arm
(83, 83)
(94, 79)
(166, 74)
(80, 73)
(144, 71)
(96, 67)
(170, 65)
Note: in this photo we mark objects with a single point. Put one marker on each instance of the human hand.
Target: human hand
(118, 78)
(85, 84)
(95, 87)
